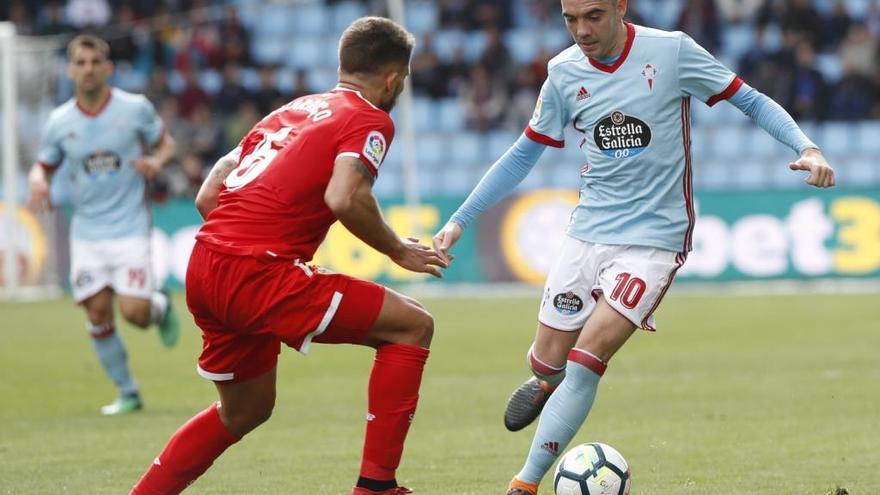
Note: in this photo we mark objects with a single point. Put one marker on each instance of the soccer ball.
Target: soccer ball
(592, 469)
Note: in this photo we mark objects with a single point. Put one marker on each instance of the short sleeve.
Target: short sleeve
(149, 123)
(550, 118)
(702, 75)
(367, 136)
(50, 153)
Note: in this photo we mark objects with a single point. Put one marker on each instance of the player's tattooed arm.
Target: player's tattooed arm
(350, 196)
(206, 199)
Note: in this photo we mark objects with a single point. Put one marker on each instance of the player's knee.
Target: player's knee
(242, 421)
(136, 314)
(422, 327)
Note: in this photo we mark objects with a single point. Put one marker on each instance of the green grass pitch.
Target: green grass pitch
(734, 395)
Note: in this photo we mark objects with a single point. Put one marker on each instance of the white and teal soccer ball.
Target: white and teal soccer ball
(592, 469)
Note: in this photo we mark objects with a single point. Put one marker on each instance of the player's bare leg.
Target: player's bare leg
(401, 335)
(602, 336)
(546, 359)
(142, 312)
(111, 352)
(194, 446)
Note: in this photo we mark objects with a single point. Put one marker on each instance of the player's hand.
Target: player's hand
(148, 166)
(811, 160)
(416, 257)
(446, 238)
(38, 195)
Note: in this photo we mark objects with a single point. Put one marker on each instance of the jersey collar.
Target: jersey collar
(630, 36)
(340, 88)
(100, 108)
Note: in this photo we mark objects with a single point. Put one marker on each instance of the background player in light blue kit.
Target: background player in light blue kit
(627, 89)
(99, 138)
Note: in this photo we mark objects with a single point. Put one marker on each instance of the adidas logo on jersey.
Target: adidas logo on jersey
(583, 94)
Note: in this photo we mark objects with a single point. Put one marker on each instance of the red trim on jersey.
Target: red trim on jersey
(48, 166)
(731, 89)
(588, 361)
(630, 36)
(687, 182)
(100, 107)
(645, 322)
(540, 138)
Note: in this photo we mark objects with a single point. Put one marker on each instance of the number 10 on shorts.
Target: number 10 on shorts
(629, 290)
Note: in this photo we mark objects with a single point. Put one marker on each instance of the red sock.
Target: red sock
(189, 453)
(393, 395)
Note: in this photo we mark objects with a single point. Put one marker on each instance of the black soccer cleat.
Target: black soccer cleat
(526, 404)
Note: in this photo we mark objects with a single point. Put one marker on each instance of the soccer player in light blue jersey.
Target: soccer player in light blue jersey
(628, 90)
(99, 137)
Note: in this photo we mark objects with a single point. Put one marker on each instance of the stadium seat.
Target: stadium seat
(712, 175)
(449, 115)
(446, 41)
(285, 80)
(555, 39)
(211, 81)
(762, 145)
(860, 172)
(311, 18)
(836, 138)
(466, 148)
(321, 79)
(305, 52)
(830, 66)
(250, 78)
(431, 150)
(474, 45)
(456, 181)
(523, 44)
(423, 114)
(497, 142)
(868, 139)
(268, 50)
(346, 12)
(749, 175)
(421, 16)
(274, 20)
(727, 143)
(736, 39)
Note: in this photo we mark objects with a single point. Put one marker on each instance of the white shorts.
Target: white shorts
(122, 264)
(633, 279)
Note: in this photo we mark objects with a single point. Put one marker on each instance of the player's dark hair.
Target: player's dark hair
(370, 44)
(88, 41)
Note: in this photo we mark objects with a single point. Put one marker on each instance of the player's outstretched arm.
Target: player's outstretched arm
(778, 123)
(812, 161)
(513, 166)
(206, 199)
(349, 196)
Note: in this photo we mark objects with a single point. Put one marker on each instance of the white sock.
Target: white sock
(158, 306)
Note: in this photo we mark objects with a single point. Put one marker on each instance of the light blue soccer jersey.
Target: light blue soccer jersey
(635, 119)
(98, 152)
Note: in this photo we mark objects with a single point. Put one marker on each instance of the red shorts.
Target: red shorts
(246, 307)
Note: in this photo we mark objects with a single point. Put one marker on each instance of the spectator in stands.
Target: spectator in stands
(237, 125)
(454, 14)
(633, 14)
(185, 179)
(119, 35)
(53, 21)
(484, 100)
(21, 18)
(699, 19)
(232, 93)
(794, 15)
(456, 72)
(205, 136)
(267, 94)
(192, 94)
(538, 66)
(427, 72)
(496, 57)
(235, 39)
(809, 92)
(88, 13)
(158, 89)
(855, 95)
(491, 14)
(736, 11)
(524, 94)
(837, 25)
(301, 86)
(872, 18)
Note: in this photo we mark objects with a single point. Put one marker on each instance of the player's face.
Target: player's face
(89, 69)
(394, 84)
(595, 25)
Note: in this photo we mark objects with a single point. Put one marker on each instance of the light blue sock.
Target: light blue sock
(563, 415)
(111, 353)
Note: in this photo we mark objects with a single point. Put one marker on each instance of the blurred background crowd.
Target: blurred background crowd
(214, 68)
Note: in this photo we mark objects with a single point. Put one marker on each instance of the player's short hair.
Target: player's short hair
(370, 44)
(88, 41)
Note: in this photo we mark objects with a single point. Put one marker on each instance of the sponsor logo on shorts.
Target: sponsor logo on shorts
(621, 136)
(568, 303)
(82, 279)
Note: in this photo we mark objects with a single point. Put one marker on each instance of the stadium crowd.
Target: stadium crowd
(199, 62)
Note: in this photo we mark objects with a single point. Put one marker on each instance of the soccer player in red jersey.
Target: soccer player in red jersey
(268, 205)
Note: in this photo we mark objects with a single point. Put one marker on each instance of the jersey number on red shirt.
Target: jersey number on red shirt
(254, 163)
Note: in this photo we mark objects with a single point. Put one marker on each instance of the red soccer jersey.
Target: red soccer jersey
(272, 204)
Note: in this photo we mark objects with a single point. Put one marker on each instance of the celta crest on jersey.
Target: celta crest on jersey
(101, 164)
(650, 72)
(621, 136)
